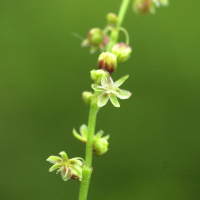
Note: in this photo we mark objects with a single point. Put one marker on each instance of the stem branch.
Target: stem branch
(115, 32)
(122, 11)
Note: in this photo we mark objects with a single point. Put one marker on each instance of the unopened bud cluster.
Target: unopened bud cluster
(100, 144)
(122, 52)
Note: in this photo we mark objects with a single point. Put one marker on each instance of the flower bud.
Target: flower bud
(96, 75)
(107, 61)
(95, 36)
(122, 52)
(87, 97)
(143, 6)
(100, 146)
(112, 19)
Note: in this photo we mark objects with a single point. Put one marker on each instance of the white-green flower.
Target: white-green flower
(110, 90)
(69, 168)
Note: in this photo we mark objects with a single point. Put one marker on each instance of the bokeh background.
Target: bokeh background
(154, 151)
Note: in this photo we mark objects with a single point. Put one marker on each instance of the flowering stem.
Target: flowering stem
(87, 168)
(122, 11)
(115, 32)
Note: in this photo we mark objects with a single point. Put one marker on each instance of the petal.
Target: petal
(67, 177)
(76, 162)
(93, 49)
(99, 134)
(79, 137)
(64, 156)
(85, 43)
(95, 87)
(64, 172)
(106, 137)
(121, 81)
(123, 94)
(84, 130)
(106, 80)
(103, 99)
(54, 167)
(76, 170)
(54, 159)
(114, 100)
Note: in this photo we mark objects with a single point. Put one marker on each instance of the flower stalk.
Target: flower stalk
(115, 32)
(87, 168)
(105, 89)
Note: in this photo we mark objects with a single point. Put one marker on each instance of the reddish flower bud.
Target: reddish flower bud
(107, 61)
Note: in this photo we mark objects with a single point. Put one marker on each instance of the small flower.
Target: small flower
(148, 6)
(143, 6)
(122, 52)
(97, 39)
(107, 61)
(100, 144)
(69, 168)
(110, 90)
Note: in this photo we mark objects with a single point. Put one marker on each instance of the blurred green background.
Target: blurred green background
(154, 151)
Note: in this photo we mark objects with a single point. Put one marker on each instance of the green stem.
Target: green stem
(126, 34)
(122, 11)
(87, 168)
(115, 32)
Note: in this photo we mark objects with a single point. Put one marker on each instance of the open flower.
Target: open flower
(110, 90)
(100, 144)
(69, 168)
(148, 6)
